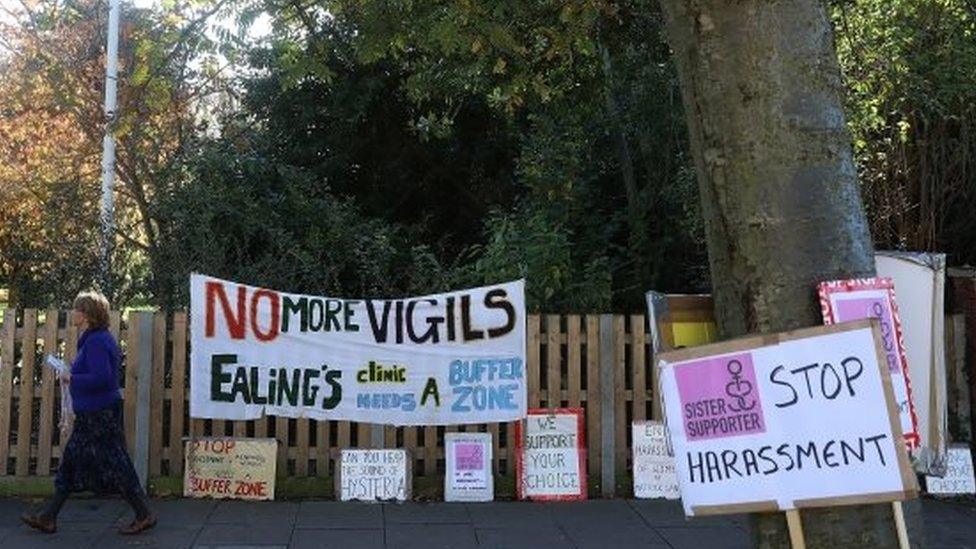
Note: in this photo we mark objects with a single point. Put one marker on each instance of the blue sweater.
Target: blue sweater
(94, 378)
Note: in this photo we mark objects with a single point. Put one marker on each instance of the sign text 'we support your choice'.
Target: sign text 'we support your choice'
(440, 359)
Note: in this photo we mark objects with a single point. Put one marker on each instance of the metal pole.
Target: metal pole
(108, 146)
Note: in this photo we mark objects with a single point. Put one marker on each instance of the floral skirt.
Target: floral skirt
(95, 459)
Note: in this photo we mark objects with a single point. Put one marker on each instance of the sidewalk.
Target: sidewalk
(500, 524)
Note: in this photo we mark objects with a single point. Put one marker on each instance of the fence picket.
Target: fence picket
(45, 436)
(178, 391)
(553, 363)
(6, 384)
(131, 377)
(156, 395)
(28, 355)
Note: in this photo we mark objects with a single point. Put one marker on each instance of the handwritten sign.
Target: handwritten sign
(855, 299)
(959, 474)
(230, 468)
(801, 419)
(468, 477)
(654, 475)
(551, 456)
(373, 475)
(444, 359)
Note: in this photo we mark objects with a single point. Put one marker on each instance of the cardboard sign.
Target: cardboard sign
(680, 320)
(468, 477)
(444, 359)
(959, 474)
(550, 455)
(230, 468)
(654, 475)
(787, 421)
(374, 475)
(856, 299)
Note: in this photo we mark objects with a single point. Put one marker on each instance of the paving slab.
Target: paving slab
(68, 535)
(244, 533)
(99, 511)
(663, 513)
(174, 535)
(345, 515)
(426, 513)
(254, 512)
(430, 536)
(510, 514)
(597, 535)
(727, 537)
(182, 512)
(522, 537)
(345, 539)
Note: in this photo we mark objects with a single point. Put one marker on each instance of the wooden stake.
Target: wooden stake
(795, 526)
(900, 525)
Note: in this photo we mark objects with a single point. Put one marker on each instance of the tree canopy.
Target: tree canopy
(385, 148)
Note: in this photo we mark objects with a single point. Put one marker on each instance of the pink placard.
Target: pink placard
(836, 308)
(719, 397)
(873, 307)
(468, 457)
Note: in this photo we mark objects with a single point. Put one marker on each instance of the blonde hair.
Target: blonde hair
(95, 308)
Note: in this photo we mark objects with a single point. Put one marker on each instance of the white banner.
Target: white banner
(442, 359)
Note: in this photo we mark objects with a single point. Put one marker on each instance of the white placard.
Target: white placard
(468, 477)
(374, 475)
(959, 474)
(443, 359)
(654, 475)
(551, 456)
(806, 418)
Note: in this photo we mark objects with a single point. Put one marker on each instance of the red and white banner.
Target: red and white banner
(859, 298)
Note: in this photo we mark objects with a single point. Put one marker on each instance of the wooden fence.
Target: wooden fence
(599, 362)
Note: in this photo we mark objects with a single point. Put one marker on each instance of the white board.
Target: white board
(751, 434)
(551, 455)
(920, 285)
(654, 475)
(958, 479)
(373, 475)
(468, 476)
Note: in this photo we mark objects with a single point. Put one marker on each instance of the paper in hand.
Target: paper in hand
(55, 364)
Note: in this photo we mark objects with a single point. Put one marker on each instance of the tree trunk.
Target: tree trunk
(761, 87)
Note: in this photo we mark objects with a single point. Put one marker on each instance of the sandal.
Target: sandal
(39, 523)
(138, 526)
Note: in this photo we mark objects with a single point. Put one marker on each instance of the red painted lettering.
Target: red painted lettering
(275, 303)
(235, 323)
(256, 489)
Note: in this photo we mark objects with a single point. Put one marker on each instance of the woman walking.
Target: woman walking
(95, 458)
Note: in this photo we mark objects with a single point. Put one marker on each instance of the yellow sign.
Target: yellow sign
(230, 468)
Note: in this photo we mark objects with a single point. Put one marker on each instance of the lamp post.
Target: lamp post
(108, 147)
